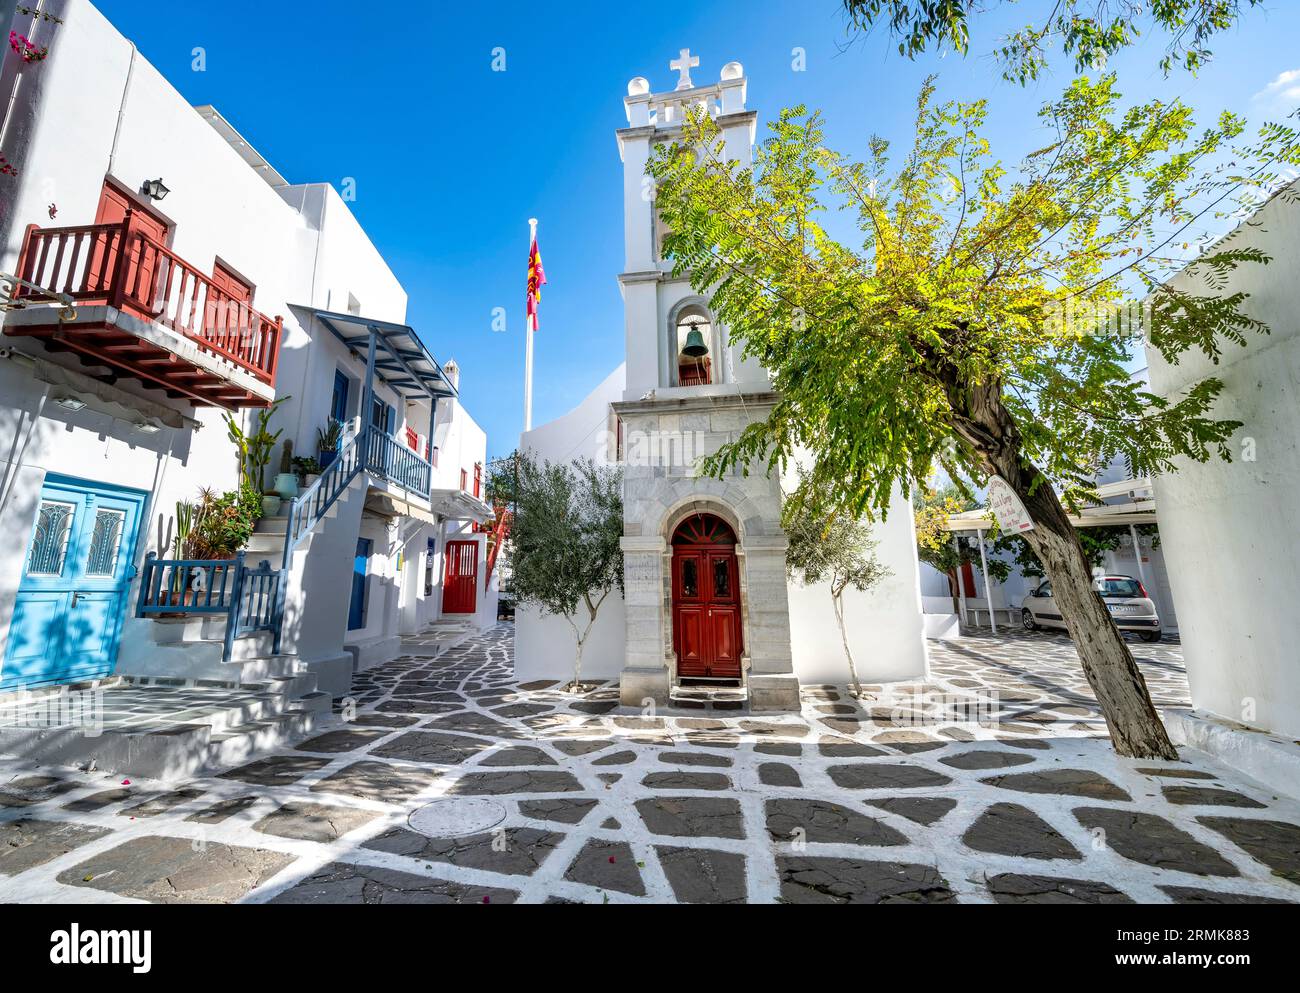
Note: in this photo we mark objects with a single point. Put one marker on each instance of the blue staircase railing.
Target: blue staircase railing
(211, 587)
(253, 599)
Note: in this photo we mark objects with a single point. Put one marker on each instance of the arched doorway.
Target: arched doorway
(706, 599)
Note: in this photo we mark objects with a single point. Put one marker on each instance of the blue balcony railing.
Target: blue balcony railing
(393, 461)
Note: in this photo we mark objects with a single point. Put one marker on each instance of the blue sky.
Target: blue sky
(451, 158)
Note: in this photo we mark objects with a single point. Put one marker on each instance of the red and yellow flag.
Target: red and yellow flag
(536, 280)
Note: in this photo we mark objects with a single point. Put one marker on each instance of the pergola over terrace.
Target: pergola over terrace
(1139, 507)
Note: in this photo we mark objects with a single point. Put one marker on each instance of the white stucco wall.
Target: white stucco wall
(1227, 531)
(97, 109)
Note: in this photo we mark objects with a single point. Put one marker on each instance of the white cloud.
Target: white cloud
(1280, 96)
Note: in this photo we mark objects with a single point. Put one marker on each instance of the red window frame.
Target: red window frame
(478, 479)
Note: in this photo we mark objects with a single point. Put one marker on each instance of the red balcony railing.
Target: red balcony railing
(121, 266)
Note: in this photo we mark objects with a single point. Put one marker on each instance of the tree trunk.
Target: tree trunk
(983, 421)
(838, 603)
(953, 592)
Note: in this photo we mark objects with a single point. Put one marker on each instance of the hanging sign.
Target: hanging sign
(1007, 507)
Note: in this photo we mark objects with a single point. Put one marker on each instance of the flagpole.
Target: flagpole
(528, 347)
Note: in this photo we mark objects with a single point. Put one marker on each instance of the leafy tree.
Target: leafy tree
(565, 538)
(1089, 31)
(979, 325)
(944, 550)
(1095, 541)
(838, 551)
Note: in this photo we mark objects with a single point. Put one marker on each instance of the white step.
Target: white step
(293, 685)
(175, 753)
(708, 694)
(239, 744)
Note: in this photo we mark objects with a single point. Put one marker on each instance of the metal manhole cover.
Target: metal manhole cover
(454, 816)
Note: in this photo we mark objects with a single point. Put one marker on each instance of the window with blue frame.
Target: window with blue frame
(383, 416)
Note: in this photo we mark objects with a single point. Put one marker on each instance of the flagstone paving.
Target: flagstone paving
(990, 782)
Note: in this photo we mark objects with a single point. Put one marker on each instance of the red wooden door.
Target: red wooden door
(233, 286)
(460, 583)
(227, 309)
(706, 603)
(143, 258)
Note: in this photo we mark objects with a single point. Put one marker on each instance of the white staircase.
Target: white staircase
(216, 727)
(279, 702)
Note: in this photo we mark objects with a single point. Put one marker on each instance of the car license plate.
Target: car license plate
(1121, 608)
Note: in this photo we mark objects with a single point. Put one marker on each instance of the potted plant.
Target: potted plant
(286, 482)
(327, 442)
(254, 447)
(308, 468)
(225, 523)
(179, 592)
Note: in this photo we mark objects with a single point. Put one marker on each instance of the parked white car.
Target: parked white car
(1124, 596)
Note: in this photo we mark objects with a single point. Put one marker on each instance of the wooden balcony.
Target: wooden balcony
(146, 313)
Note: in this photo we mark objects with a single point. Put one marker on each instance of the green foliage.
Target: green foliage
(1096, 543)
(981, 325)
(224, 522)
(1088, 31)
(501, 481)
(935, 546)
(186, 512)
(566, 535)
(838, 551)
(328, 437)
(253, 448)
(306, 465)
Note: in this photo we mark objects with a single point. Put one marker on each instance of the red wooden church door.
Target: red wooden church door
(706, 600)
(460, 583)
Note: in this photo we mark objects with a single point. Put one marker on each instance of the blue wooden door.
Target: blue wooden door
(357, 608)
(339, 399)
(72, 598)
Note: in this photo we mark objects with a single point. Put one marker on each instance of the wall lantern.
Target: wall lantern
(154, 189)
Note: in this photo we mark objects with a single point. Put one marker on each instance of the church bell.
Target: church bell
(695, 346)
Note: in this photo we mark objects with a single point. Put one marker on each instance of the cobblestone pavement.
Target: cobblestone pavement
(987, 783)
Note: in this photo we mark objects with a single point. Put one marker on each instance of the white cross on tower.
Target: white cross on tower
(683, 65)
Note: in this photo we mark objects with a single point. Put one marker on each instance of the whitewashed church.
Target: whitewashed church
(708, 609)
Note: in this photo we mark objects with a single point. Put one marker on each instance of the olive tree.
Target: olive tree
(838, 551)
(566, 556)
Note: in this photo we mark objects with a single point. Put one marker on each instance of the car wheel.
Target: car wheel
(1149, 636)
(1027, 619)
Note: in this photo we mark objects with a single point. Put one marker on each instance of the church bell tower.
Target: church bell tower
(704, 558)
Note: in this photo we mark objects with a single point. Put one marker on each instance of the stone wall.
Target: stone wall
(663, 439)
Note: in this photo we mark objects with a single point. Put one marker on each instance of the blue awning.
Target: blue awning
(401, 359)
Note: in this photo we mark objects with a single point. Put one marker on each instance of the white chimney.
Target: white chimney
(453, 373)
